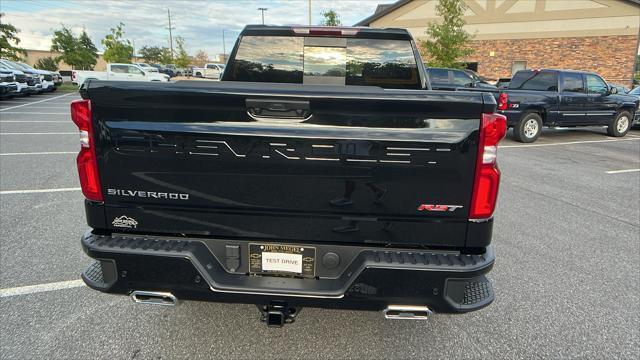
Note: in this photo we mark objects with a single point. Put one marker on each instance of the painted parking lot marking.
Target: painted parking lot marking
(567, 143)
(36, 113)
(33, 289)
(36, 191)
(39, 153)
(36, 102)
(36, 121)
(41, 133)
(622, 171)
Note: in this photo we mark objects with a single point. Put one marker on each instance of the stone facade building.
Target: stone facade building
(509, 35)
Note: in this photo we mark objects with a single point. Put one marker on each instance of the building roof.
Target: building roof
(384, 9)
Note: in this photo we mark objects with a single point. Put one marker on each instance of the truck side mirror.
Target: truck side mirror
(612, 90)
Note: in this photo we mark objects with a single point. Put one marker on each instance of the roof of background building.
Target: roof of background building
(384, 9)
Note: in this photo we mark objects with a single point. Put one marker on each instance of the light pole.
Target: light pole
(170, 27)
(224, 49)
(263, 10)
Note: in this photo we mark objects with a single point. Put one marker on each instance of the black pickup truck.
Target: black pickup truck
(321, 171)
(537, 98)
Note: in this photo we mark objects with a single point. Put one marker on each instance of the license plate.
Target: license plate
(282, 259)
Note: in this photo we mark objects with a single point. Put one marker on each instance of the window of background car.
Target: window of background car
(384, 63)
(120, 69)
(135, 70)
(439, 75)
(268, 59)
(635, 91)
(595, 85)
(572, 82)
(460, 78)
(535, 80)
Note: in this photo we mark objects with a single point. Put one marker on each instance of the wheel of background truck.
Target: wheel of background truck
(528, 128)
(198, 74)
(620, 124)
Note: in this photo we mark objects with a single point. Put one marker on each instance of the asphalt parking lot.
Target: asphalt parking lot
(566, 235)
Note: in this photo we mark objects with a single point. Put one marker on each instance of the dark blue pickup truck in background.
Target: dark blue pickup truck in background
(537, 98)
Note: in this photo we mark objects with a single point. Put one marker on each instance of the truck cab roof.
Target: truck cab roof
(347, 31)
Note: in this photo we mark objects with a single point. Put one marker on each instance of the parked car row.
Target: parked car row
(20, 79)
(533, 99)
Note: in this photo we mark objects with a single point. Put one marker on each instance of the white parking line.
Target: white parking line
(33, 289)
(622, 171)
(52, 106)
(36, 121)
(36, 102)
(36, 113)
(566, 143)
(40, 153)
(45, 133)
(36, 191)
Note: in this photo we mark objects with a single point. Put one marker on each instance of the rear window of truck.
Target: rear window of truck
(534, 80)
(325, 61)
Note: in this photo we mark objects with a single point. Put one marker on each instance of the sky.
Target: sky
(200, 23)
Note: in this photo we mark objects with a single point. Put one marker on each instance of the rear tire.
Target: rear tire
(620, 125)
(528, 129)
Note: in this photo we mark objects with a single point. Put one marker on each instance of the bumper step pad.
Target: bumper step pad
(94, 275)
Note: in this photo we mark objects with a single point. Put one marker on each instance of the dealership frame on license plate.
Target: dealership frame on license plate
(278, 259)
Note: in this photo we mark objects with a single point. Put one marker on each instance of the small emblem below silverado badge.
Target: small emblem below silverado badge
(124, 222)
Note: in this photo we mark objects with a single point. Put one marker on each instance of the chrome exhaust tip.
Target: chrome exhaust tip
(154, 298)
(407, 312)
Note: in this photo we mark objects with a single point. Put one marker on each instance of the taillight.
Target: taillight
(493, 128)
(325, 31)
(73, 76)
(87, 164)
(503, 101)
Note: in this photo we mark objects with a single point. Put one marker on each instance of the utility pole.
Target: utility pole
(224, 49)
(263, 10)
(170, 35)
(309, 12)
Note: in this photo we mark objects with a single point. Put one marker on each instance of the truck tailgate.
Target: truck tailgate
(292, 162)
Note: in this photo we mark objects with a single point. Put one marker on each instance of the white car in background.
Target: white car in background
(46, 77)
(146, 67)
(117, 72)
(210, 71)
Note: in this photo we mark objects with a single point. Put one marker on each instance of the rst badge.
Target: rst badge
(438, 207)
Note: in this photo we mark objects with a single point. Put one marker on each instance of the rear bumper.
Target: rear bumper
(364, 278)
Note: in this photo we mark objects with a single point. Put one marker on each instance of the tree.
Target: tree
(165, 56)
(331, 18)
(9, 42)
(200, 58)
(117, 49)
(182, 59)
(79, 52)
(47, 63)
(88, 51)
(152, 54)
(448, 41)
